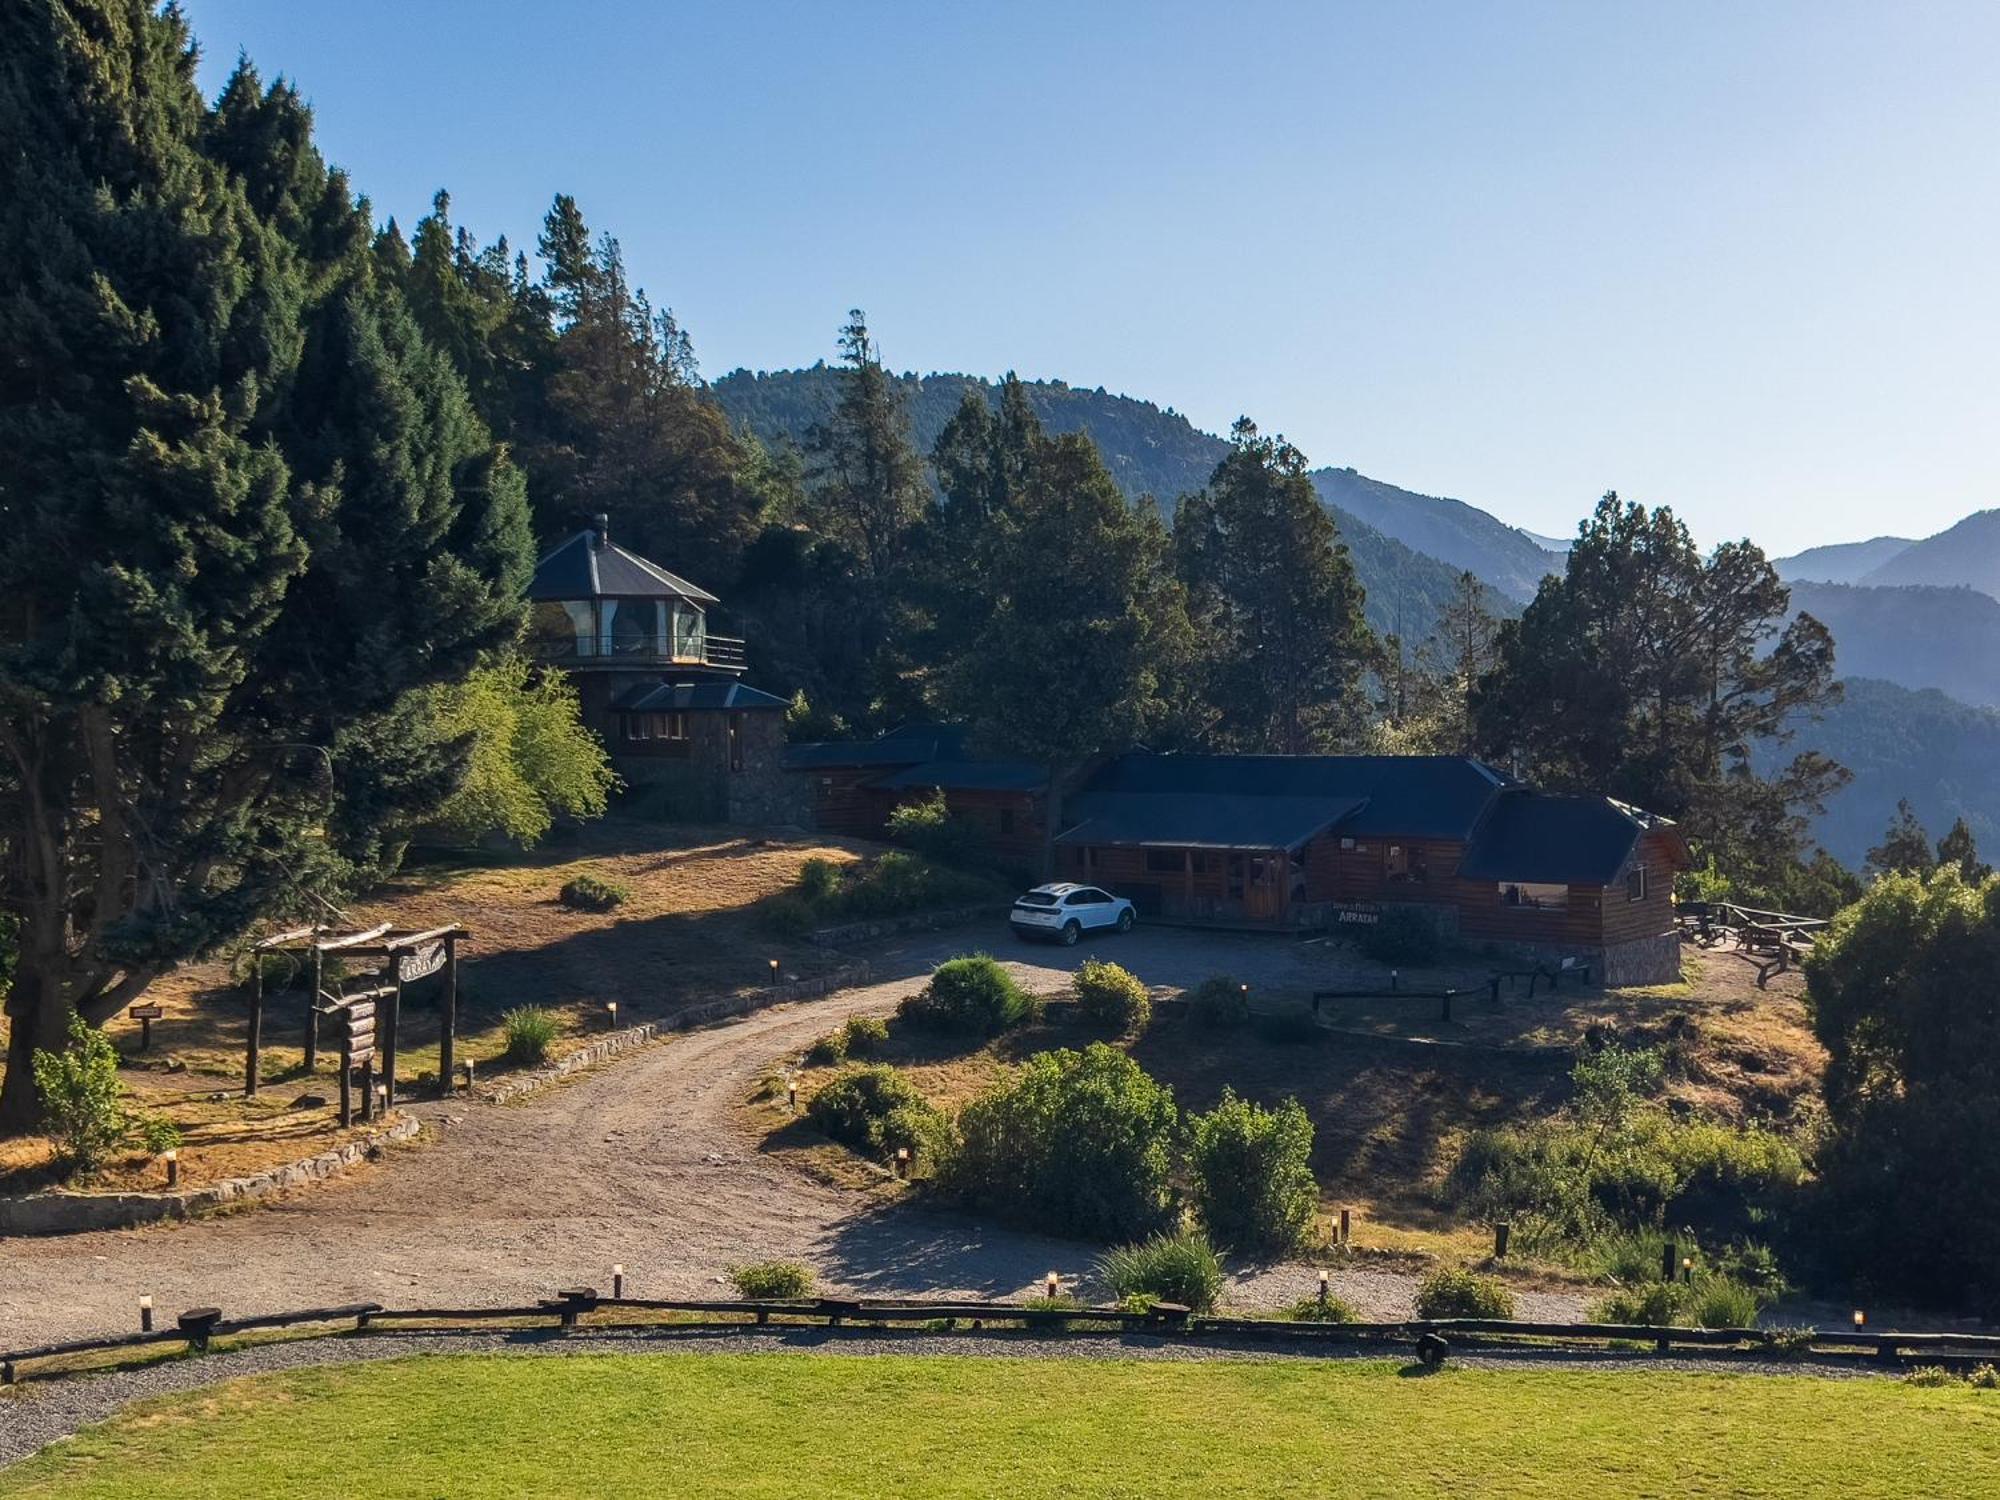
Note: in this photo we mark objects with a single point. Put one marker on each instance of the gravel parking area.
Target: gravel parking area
(41, 1412)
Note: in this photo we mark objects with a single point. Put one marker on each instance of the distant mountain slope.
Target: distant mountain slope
(1841, 562)
(1915, 637)
(1932, 749)
(1150, 450)
(1450, 530)
(1556, 544)
(1967, 555)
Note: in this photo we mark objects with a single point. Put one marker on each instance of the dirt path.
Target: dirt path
(640, 1163)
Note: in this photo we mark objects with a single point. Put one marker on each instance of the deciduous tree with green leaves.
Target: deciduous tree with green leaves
(244, 510)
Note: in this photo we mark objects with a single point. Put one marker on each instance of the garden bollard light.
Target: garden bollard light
(617, 1281)
(792, 1095)
(902, 1161)
(146, 1313)
(1322, 1288)
(612, 1006)
(1687, 1269)
(1055, 1285)
(173, 1160)
(1860, 1318)
(774, 971)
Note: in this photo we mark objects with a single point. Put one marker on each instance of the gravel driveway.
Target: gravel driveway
(641, 1163)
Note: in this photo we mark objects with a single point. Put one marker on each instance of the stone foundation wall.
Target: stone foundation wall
(1653, 960)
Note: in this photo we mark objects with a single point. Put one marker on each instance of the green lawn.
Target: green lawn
(820, 1426)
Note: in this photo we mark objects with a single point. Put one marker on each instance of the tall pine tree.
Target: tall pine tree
(1275, 602)
(244, 510)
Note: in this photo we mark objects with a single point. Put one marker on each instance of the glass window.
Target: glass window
(1165, 861)
(1635, 883)
(1533, 897)
(637, 727)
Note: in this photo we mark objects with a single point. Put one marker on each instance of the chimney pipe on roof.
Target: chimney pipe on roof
(601, 524)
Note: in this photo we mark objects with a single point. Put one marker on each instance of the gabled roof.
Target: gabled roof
(699, 694)
(966, 776)
(1557, 840)
(905, 745)
(592, 566)
(1414, 796)
(1204, 820)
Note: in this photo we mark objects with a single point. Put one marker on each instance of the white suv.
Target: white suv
(1066, 912)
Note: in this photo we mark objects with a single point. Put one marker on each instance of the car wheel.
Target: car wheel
(1072, 930)
(1125, 920)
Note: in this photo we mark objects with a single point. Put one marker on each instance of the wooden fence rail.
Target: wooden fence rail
(196, 1327)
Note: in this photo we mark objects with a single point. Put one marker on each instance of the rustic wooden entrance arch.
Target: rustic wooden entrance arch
(406, 955)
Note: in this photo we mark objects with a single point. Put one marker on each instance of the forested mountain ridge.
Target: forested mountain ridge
(1967, 555)
(1840, 562)
(1150, 450)
(1507, 558)
(1922, 745)
(1915, 636)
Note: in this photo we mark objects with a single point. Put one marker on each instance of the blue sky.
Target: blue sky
(1736, 258)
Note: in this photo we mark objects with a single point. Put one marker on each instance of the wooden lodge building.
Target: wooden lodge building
(664, 694)
(1305, 842)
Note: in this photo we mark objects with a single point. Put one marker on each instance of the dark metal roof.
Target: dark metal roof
(699, 695)
(966, 776)
(1414, 796)
(906, 745)
(1203, 820)
(592, 566)
(1555, 840)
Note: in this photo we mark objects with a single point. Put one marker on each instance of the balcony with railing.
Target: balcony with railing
(722, 653)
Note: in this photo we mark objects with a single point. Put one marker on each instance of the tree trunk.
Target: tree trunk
(36, 1017)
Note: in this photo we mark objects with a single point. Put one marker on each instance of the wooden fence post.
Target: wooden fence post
(389, 1034)
(312, 1010)
(448, 1023)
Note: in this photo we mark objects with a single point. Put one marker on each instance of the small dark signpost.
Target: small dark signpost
(145, 1015)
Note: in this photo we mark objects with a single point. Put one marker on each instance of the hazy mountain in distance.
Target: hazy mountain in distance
(1923, 745)
(1150, 450)
(1913, 636)
(1556, 544)
(1840, 562)
(1504, 556)
(1967, 555)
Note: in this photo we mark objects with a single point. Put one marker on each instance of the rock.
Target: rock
(309, 1101)
(176, 1065)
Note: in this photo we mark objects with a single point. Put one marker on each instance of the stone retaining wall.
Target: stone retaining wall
(863, 932)
(72, 1213)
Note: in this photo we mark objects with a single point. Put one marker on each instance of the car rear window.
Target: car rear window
(1036, 898)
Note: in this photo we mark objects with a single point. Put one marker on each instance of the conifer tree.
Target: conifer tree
(244, 510)
(1958, 850)
(866, 486)
(1275, 603)
(1906, 847)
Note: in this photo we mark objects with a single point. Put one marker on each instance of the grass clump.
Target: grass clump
(1112, 998)
(971, 995)
(530, 1031)
(1253, 1183)
(1711, 1300)
(772, 1281)
(1219, 1001)
(1454, 1293)
(593, 893)
(1076, 1143)
(1327, 1309)
(1181, 1267)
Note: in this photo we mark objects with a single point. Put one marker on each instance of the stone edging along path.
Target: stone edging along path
(71, 1213)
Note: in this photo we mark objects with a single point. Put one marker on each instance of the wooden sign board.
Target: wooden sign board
(421, 961)
(359, 1011)
(146, 1012)
(360, 1054)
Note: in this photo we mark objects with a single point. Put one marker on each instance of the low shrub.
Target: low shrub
(82, 1097)
(972, 995)
(1112, 997)
(772, 1281)
(1452, 1293)
(157, 1135)
(1331, 1309)
(1984, 1378)
(929, 827)
(852, 1108)
(1709, 1301)
(818, 880)
(827, 1050)
(863, 1036)
(1219, 1001)
(1181, 1267)
(1076, 1143)
(530, 1032)
(1655, 1304)
(1931, 1376)
(1253, 1182)
(890, 885)
(593, 893)
(1403, 935)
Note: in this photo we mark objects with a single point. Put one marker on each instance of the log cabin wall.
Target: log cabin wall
(843, 802)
